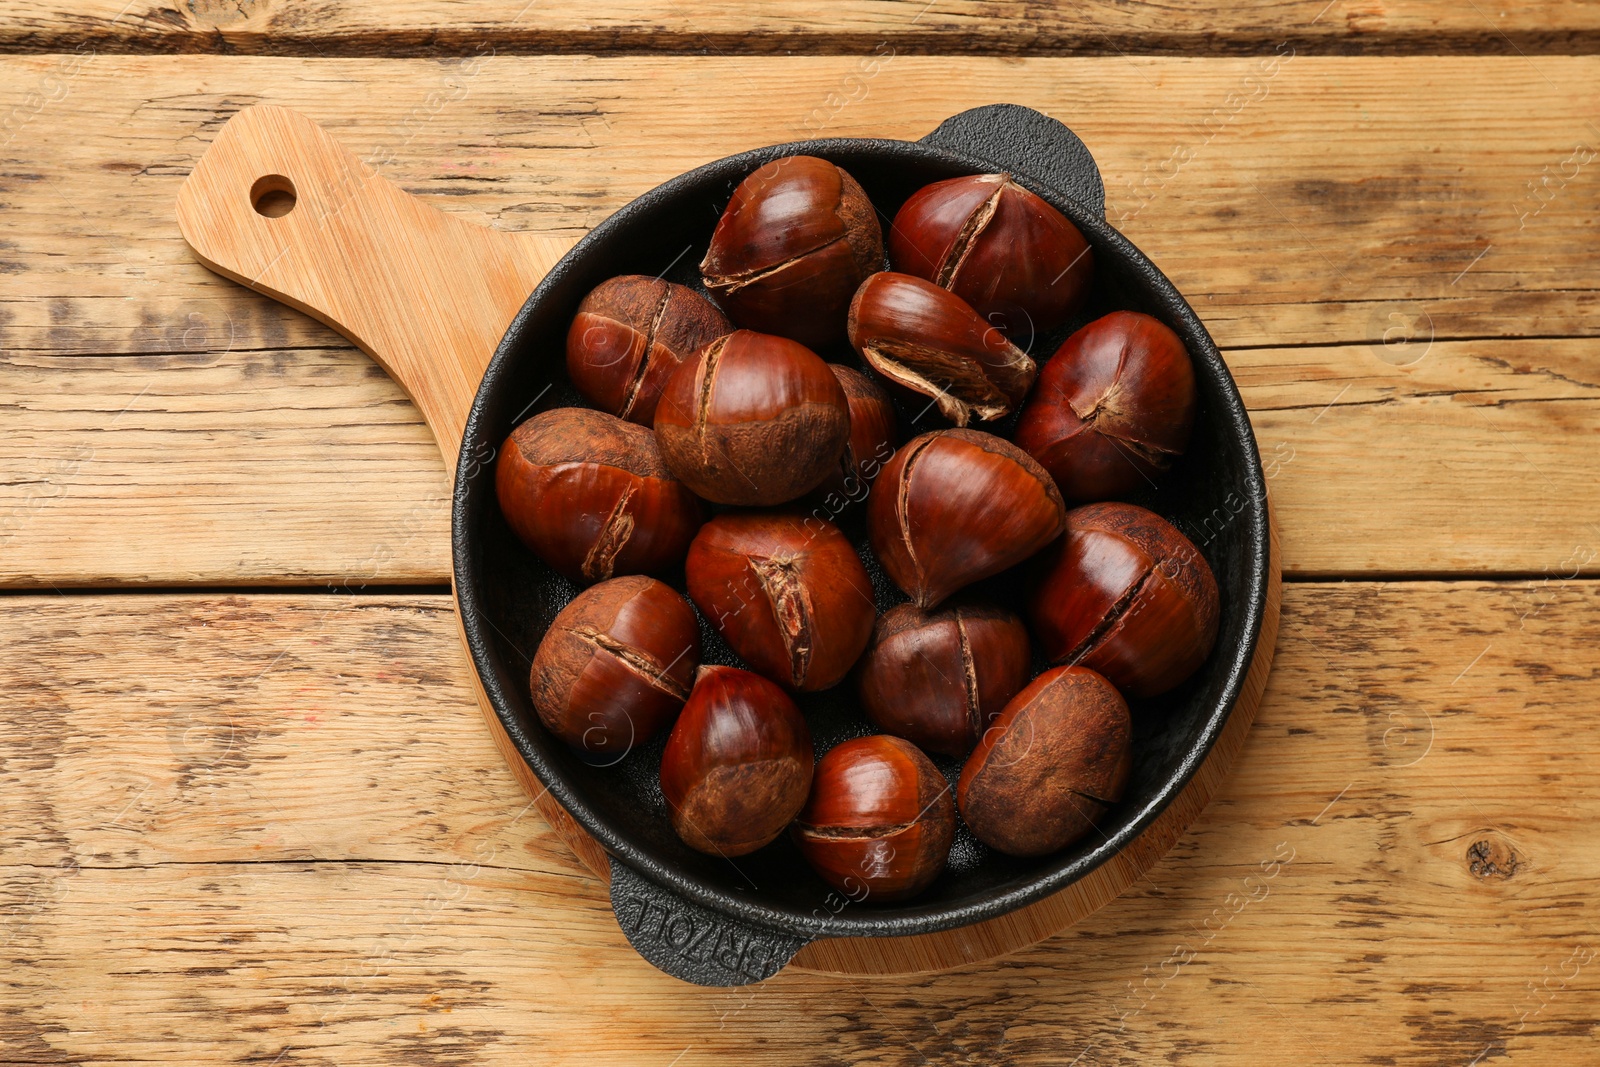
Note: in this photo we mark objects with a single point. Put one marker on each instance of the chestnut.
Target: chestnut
(938, 678)
(1114, 407)
(615, 665)
(955, 506)
(788, 593)
(928, 340)
(1124, 593)
(753, 420)
(590, 494)
(879, 821)
(873, 434)
(1018, 261)
(738, 763)
(1054, 761)
(795, 240)
(630, 334)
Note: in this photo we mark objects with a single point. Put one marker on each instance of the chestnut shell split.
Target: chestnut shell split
(590, 494)
(1126, 594)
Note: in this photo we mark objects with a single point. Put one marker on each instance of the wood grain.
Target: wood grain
(309, 467)
(241, 828)
(1222, 172)
(435, 27)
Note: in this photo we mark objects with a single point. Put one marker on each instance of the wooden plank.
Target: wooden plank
(241, 828)
(435, 27)
(308, 466)
(1318, 201)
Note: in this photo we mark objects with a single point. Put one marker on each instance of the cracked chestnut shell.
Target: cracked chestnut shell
(753, 420)
(787, 592)
(1019, 262)
(1126, 594)
(939, 678)
(956, 506)
(879, 821)
(928, 340)
(737, 766)
(795, 240)
(1056, 759)
(1114, 407)
(591, 495)
(615, 666)
(630, 334)
(874, 432)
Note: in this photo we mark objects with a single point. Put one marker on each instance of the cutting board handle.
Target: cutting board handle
(280, 206)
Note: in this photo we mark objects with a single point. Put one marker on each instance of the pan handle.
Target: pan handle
(280, 206)
(1023, 141)
(693, 943)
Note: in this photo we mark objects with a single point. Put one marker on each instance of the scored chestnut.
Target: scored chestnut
(1126, 594)
(753, 420)
(873, 435)
(630, 334)
(1056, 759)
(590, 494)
(1018, 261)
(788, 593)
(879, 821)
(1114, 407)
(928, 340)
(956, 506)
(939, 678)
(737, 766)
(615, 666)
(795, 240)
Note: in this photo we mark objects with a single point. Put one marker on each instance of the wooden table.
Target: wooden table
(248, 811)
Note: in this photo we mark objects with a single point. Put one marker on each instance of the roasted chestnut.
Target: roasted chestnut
(753, 420)
(795, 240)
(1114, 407)
(630, 334)
(879, 821)
(591, 495)
(788, 592)
(1124, 593)
(873, 435)
(938, 678)
(737, 766)
(928, 340)
(1054, 761)
(615, 666)
(954, 506)
(1018, 261)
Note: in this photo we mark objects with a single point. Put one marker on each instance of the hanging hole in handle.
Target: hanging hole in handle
(273, 196)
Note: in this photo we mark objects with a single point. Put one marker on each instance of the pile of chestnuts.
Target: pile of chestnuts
(721, 453)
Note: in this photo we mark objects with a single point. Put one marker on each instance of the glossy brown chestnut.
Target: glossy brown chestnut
(753, 420)
(630, 334)
(955, 506)
(1114, 407)
(795, 240)
(1054, 761)
(879, 821)
(615, 666)
(788, 592)
(1018, 261)
(737, 766)
(591, 495)
(874, 432)
(1124, 593)
(928, 340)
(939, 678)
